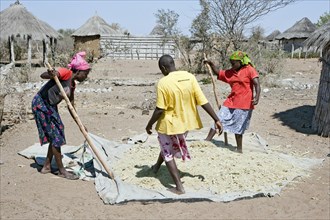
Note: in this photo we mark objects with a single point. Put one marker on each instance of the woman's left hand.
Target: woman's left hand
(255, 101)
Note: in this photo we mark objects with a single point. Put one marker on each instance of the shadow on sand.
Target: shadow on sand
(298, 119)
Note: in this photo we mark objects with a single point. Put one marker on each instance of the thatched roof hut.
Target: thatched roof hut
(87, 37)
(321, 119)
(17, 21)
(295, 36)
(273, 35)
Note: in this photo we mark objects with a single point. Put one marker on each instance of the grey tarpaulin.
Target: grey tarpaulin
(77, 158)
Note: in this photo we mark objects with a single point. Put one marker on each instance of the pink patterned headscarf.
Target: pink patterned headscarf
(78, 62)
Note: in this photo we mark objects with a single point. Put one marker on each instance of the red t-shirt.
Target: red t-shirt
(241, 84)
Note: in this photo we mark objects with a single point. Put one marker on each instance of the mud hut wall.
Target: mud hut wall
(296, 42)
(90, 44)
(271, 45)
(134, 48)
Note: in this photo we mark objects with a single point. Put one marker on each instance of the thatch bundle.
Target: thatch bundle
(321, 120)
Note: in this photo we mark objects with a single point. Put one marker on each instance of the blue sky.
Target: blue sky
(138, 17)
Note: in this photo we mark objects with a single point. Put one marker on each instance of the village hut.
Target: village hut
(295, 36)
(88, 36)
(320, 39)
(269, 42)
(271, 37)
(16, 21)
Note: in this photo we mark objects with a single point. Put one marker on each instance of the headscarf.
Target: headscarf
(241, 56)
(78, 62)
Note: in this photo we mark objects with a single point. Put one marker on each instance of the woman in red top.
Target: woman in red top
(44, 107)
(236, 112)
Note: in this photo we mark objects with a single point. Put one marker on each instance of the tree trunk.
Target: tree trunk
(321, 118)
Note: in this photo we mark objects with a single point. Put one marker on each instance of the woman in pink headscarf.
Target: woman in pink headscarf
(44, 107)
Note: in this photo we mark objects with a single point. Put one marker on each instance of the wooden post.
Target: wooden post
(29, 50)
(52, 49)
(11, 46)
(45, 51)
(2, 106)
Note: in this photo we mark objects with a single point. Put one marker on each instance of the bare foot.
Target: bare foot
(176, 191)
(68, 175)
(45, 170)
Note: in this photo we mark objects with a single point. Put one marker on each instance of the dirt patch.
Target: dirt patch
(283, 118)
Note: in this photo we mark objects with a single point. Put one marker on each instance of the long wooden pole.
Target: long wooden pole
(213, 83)
(81, 126)
(215, 95)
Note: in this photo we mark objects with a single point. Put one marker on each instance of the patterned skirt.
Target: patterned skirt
(49, 123)
(234, 120)
(173, 146)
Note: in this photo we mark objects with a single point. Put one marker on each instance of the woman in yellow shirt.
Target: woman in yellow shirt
(178, 95)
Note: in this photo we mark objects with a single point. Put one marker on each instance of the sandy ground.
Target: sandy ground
(283, 118)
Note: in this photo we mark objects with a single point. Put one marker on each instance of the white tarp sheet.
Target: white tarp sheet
(223, 176)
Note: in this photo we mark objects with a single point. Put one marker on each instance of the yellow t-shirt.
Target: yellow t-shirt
(178, 94)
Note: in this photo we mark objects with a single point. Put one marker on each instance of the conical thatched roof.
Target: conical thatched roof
(50, 31)
(319, 38)
(95, 26)
(157, 30)
(272, 35)
(301, 29)
(18, 21)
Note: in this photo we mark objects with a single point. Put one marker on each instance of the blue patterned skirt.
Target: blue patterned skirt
(49, 123)
(234, 120)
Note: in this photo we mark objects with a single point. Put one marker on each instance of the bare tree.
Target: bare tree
(229, 18)
(167, 21)
(257, 33)
(200, 32)
(119, 28)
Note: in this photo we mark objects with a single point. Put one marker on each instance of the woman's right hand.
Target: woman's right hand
(205, 61)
